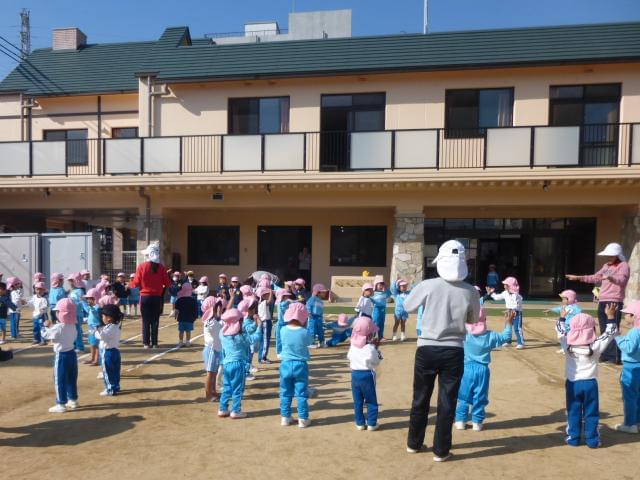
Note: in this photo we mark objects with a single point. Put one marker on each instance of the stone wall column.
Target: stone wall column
(631, 246)
(159, 230)
(408, 247)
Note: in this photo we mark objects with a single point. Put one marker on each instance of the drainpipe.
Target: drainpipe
(147, 214)
(21, 117)
(150, 106)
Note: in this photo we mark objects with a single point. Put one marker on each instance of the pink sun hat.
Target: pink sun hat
(208, 308)
(367, 286)
(105, 300)
(231, 319)
(480, 326)
(84, 271)
(92, 293)
(66, 311)
(243, 305)
(260, 292)
(363, 327)
(300, 281)
(343, 320)
(186, 290)
(38, 277)
(40, 285)
(296, 311)
(570, 295)
(401, 283)
(378, 279)
(634, 309)
(121, 274)
(246, 290)
(281, 293)
(235, 279)
(582, 330)
(511, 284)
(223, 275)
(204, 279)
(319, 287)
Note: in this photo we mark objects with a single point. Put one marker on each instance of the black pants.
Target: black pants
(150, 310)
(612, 353)
(446, 363)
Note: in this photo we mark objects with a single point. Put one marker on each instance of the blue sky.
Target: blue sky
(126, 20)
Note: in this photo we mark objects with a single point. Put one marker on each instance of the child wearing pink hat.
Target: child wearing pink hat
(341, 330)
(94, 320)
(283, 300)
(569, 307)
(202, 291)
(212, 352)
(235, 346)
(380, 298)
(235, 295)
(16, 293)
(513, 301)
(364, 357)
(582, 351)
(474, 388)
(56, 293)
(75, 295)
(65, 365)
(294, 369)
(40, 305)
(266, 322)
(365, 306)
(186, 309)
(5, 305)
(315, 307)
(629, 345)
(299, 289)
(133, 299)
(400, 291)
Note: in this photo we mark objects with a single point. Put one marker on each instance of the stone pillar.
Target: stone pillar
(631, 246)
(159, 230)
(408, 247)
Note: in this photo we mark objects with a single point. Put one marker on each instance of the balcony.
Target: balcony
(610, 145)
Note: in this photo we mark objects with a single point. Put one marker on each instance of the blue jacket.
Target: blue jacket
(398, 299)
(94, 315)
(477, 348)
(295, 344)
(282, 307)
(236, 347)
(76, 297)
(380, 298)
(55, 295)
(315, 307)
(572, 311)
(629, 345)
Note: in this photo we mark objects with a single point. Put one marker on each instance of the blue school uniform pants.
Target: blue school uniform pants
(38, 323)
(378, 319)
(14, 318)
(79, 343)
(582, 406)
(65, 376)
(266, 326)
(363, 389)
(294, 382)
(279, 325)
(233, 381)
(517, 328)
(474, 392)
(630, 383)
(111, 370)
(339, 337)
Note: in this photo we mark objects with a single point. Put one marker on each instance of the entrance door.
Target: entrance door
(504, 253)
(543, 265)
(279, 249)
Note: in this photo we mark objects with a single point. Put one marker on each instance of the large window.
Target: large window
(252, 116)
(359, 246)
(213, 245)
(77, 147)
(468, 112)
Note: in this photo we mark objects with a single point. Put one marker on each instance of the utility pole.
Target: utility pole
(425, 17)
(25, 34)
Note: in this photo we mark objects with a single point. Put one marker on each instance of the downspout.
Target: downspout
(21, 117)
(150, 106)
(147, 214)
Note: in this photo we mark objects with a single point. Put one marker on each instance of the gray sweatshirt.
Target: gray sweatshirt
(448, 306)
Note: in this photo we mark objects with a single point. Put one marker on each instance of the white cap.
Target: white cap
(613, 250)
(450, 248)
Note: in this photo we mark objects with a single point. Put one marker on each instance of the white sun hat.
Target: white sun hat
(613, 250)
(451, 262)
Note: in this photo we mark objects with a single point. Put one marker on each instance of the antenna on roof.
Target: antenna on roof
(25, 34)
(425, 17)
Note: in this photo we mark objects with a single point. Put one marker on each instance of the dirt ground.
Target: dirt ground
(161, 427)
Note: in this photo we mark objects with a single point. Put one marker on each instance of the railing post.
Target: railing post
(66, 158)
(304, 152)
(484, 148)
(221, 153)
(531, 148)
(438, 131)
(630, 161)
(393, 150)
(30, 158)
(104, 156)
(142, 156)
(262, 153)
(180, 152)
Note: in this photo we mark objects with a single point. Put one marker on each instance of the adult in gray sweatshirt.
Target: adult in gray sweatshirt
(449, 303)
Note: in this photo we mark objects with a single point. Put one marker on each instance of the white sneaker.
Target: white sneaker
(394, 338)
(223, 413)
(460, 425)
(313, 345)
(477, 427)
(188, 344)
(373, 428)
(506, 344)
(2, 342)
(146, 347)
(100, 375)
(403, 337)
(303, 423)
(72, 404)
(360, 427)
(238, 415)
(253, 370)
(560, 351)
(285, 421)
(57, 409)
(519, 346)
(412, 450)
(441, 459)
(626, 428)
(250, 378)
(104, 393)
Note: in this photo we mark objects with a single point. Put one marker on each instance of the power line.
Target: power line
(9, 54)
(15, 47)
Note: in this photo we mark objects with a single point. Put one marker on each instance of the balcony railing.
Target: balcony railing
(609, 145)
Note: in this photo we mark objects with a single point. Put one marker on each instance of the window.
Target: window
(359, 112)
(252, 116)
(77, 145)
(364, 246)
(468, 112)
(124, 132)
(584, 104)
(213, 245)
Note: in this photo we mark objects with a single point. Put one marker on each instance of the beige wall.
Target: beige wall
(9, 127)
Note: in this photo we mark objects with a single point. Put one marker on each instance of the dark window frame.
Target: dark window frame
(75, 157)
(371, 262)
(230, 113)
(117, 129)
(356, 108)
(195, 258)
(581, 100)
(477, 131)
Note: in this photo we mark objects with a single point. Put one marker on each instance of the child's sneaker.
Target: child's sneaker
(360, 427)
(506, 344)
(250, 378)
(285, 421)
(626, 428)
(403, 337)
(223, 414)
(238, 415)
(104, 393)
(477, 427)
(303, 423)
(57, 408)
(394, 338)
(146, 346)
(253, 370)
(436, 458)
(373, 428)
(460, 425)
(72, 404)
(519, 346)
(100, 375)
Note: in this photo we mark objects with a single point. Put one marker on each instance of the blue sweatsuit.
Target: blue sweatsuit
(315, 327)
(419, 315)
(94, 320)
(340, 334)
(76, 296)
(250, 328)
(379, 299)
(398, 299)
(282, 307)
(236, 358)
(629, 345)
(571, 311)
(294, 371)
(55, 295)
(474, 389)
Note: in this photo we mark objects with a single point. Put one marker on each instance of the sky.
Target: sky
(129, 20)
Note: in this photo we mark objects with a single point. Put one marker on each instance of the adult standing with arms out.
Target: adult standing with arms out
(613, 278)
(449, 304)
(152, 279)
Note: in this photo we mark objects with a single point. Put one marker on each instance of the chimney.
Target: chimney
(68, 38)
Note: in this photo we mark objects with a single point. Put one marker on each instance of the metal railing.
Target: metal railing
(606, 145)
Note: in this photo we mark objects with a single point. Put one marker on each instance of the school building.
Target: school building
(239, 152)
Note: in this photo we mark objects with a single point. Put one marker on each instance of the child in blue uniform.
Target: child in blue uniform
(186, 308)
(174, 288)
(5, 305)
(570, 308)
(94, 320)
(300, 293)
(56, 293)
(265, 313)
(474, 389)
(109, 336)
(315, 307)
(294, 369)
(134, 298)
(341, 329)
(365, 304)
(212, 352)
(400, 291)
(283, 297)
(235, 345)
(75, 295)
(380, 298)
(40, 306)
(629, 345)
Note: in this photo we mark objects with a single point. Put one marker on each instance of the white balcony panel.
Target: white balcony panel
(508, 147)
(162, 155)
(284, 152)
(49, 158)
(416, 149)
(635, 144)
(370, 150)
(14, 158)
(556, 146)
(242, 152)
(122, 155)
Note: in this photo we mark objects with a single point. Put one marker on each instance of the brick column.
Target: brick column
(408, 247)
(631, 246)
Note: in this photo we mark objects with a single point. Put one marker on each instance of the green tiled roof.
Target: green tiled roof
(107, 68)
